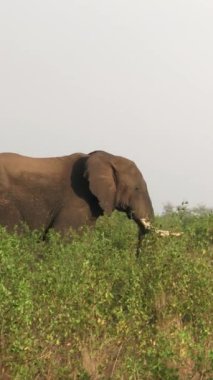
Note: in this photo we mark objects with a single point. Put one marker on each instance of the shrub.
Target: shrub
(89, 309)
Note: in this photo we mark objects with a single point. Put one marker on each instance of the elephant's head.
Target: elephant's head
(118, 184)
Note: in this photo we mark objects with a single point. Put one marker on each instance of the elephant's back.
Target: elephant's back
(15, 164)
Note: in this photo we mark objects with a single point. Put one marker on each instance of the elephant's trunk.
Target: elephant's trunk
(144, 226)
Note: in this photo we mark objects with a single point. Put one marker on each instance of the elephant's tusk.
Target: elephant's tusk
(165, 233)
(146, 223)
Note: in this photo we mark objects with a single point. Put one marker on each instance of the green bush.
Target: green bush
(88, 308)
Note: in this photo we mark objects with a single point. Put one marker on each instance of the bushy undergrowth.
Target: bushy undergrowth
(89, 309)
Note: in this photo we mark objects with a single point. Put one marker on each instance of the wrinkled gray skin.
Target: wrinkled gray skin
(70, 191)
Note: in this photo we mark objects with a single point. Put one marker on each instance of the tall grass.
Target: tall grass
(89, 309)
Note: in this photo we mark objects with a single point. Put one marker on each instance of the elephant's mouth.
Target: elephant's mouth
(143, 223)
(146, 223)
(145, 226)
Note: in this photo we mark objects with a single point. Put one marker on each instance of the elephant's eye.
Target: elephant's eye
(136, 188)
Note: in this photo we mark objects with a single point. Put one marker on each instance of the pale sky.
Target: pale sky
(134, 78)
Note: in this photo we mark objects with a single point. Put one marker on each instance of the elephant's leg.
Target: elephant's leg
(70, 217)
(9, 215)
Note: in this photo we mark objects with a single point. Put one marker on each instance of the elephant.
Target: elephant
(71, 191)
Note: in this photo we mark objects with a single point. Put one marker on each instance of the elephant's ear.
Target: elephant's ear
(100, 175)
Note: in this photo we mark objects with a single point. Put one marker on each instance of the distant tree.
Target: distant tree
(168, 208)
(201, 210)
(184, 208)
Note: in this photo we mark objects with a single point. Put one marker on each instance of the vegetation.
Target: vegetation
(89, 309)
